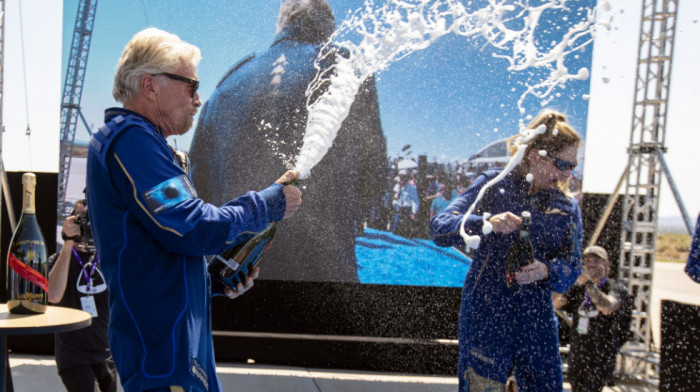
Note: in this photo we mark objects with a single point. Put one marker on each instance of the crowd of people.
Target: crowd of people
(411, 200)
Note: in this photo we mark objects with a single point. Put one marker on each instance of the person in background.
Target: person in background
(83, 358)
(151, 230)
(255, 122)
(502, 328)
(432, 192)
(441, 201)
(406, 204)
(601, 316)
(692, 266)
(461, 187)
(432, 188)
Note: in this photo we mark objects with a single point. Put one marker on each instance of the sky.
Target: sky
(610, 111)
(432, 109)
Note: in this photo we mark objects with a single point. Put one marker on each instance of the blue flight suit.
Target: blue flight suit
(692, 266)
(151, 233)
(500, 328)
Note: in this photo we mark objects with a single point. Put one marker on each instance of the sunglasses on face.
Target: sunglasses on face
(194, 84)
(564, 165)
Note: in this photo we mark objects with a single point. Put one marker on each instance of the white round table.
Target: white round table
(56, 319)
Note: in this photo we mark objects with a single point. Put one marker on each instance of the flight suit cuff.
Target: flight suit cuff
(275, 201)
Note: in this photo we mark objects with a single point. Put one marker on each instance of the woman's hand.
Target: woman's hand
(505, 222)
(532, 272)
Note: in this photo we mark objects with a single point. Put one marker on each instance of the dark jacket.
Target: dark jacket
(593, 349)
(250, 131)
(86, 345)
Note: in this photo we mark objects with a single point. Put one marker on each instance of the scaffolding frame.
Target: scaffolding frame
(72, 94)
(645, 168)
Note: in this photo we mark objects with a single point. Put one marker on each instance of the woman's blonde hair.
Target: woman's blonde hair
(150, 51)
(558, 135)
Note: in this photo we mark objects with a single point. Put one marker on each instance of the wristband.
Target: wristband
(590, 284)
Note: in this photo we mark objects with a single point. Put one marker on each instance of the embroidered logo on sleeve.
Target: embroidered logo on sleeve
(168, 194)
(554, 210)
(199, 373)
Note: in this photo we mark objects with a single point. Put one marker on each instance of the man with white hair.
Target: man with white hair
(255, 121)
(151, 230)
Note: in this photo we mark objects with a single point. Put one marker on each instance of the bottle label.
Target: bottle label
(28, 272)
(28, 205)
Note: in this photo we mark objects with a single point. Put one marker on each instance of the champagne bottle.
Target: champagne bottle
(27, 258)
(234, 264)
(521, 253)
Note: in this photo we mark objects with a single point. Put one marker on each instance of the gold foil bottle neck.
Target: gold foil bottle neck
(29, 185)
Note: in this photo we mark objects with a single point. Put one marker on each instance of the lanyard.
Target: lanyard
(589, 302)
(95, 261)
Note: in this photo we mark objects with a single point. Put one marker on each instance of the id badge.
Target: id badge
(582, 327)
(88, 303)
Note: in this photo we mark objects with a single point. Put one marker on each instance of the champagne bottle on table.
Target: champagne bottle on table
(234, 264)
(27, 258)
(521, 253)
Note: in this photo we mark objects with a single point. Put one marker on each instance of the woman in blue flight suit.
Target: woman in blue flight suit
(501, 329)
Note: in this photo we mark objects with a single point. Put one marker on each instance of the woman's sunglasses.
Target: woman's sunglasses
(564, 165)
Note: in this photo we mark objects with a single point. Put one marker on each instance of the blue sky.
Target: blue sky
(446, 101)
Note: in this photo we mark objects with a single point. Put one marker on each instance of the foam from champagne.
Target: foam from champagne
(391, 31)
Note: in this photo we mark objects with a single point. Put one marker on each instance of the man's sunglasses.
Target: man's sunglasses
(194, 84)
(564, 165)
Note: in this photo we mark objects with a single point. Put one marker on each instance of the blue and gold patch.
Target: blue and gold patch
(168, 194)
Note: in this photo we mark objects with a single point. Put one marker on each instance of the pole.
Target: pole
(674, 189)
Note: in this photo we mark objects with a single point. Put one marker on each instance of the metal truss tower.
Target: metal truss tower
(72, 93)
(644, 172)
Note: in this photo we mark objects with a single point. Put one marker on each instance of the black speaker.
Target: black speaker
(680, 347)
(592, 207)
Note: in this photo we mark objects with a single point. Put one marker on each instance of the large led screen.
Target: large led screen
(435, 88)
